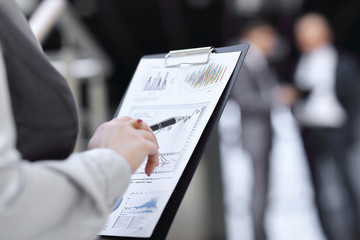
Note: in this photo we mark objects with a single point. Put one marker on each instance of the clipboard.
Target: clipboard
(164, 223)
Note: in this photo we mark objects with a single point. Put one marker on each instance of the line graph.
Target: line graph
(180, 131)
(167, 163)
(146, 207)
(137, 208)
(172, 139)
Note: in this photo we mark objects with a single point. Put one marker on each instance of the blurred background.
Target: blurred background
(96, 45)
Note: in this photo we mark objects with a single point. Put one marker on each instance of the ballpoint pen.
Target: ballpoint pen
(166, 123)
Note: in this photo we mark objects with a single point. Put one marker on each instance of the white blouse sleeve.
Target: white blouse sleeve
(68, 199)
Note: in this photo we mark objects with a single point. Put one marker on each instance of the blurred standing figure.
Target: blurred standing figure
(255, 92)
(326, 113)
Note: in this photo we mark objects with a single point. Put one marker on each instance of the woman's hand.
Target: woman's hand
(133, 143)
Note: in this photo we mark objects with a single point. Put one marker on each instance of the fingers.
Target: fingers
(137, 124)
(150, 137)
(153, 157)
(152, 163)
(148, 129)
(149, 146)
(123, 118)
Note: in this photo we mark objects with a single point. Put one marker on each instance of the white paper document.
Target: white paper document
(156, 93)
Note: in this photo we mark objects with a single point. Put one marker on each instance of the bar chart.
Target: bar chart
(206, 76)
(156, 81)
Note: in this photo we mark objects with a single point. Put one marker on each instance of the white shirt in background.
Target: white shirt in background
(316, 72)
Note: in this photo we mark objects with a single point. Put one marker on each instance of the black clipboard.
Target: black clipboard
(162, 228)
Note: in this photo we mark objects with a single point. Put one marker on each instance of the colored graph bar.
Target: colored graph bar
(208, 75)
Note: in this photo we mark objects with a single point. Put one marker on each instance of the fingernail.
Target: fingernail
(136, 123)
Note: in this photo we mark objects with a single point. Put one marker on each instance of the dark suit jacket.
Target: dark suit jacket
(44, 109)
(347, 88)
(251, 92)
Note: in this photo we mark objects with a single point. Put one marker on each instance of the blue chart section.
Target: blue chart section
(137, 208)
(117, 204)
(141, 203)
(147, 207)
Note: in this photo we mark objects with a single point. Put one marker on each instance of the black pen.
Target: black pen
(166, 123)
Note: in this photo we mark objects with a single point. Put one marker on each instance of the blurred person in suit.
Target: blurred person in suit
(256, 90)
(326, 111)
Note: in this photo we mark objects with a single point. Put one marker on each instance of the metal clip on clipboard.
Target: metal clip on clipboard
(188, 56)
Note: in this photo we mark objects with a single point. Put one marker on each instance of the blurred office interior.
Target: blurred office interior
(96, 45)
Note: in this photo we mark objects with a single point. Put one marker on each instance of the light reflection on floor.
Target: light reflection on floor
(291, 213)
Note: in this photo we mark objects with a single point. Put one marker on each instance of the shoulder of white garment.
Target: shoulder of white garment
(323, 53)
(311, 63)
